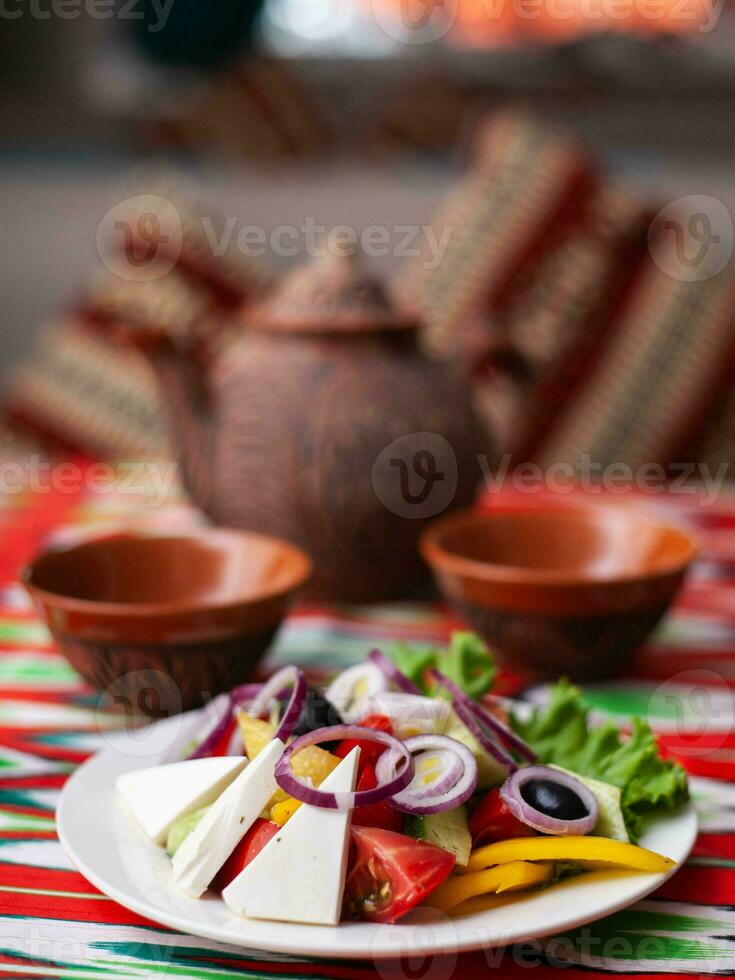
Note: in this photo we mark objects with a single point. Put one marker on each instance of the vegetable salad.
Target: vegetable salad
(406, 781)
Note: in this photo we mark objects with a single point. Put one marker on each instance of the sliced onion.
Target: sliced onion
(393, 673)
(298, 788)
(219, 709)
(455, 785)
(410, 714)
(487, 741)
(245, 693)
(504, 734)
(510, 792)
(269, 693)
(342, 692)
(189, 733)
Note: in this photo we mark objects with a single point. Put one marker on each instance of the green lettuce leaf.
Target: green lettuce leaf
(560, 734)
(468, 662)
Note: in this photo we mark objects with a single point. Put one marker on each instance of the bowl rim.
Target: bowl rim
(440, 558)
(155, 610)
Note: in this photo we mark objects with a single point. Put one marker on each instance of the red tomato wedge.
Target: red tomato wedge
(375, 814)
(389, 873)
(491, 820)
(249, 847)
(369, 751)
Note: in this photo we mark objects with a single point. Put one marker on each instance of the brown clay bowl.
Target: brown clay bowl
(163, 622)
(559, 592)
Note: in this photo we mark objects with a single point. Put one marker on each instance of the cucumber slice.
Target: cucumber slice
(181, 829)
(447, 830)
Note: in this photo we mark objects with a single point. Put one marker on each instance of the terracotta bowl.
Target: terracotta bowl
(162, 622)
(571, 592)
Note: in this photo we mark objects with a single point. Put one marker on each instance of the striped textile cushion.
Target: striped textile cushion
(550, 292)
(81, 393)
(80, 390)
(525, 193)
(652, 390)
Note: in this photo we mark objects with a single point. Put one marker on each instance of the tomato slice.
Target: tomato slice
(223, 743)
(369, 751)
(249, 847)
(389, 873)
(375, 814)
(491, 820)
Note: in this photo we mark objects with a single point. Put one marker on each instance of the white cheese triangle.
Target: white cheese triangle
(299, 876)
(223, 826)
(158, 796)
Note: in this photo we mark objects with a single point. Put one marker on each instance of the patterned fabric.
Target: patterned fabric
(259, 110)
(581, 338)
(659, 366)
(526, 191)
(53, 923)
(81, 390)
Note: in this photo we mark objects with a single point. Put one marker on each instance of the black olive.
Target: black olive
(553, 799)
(316, 713)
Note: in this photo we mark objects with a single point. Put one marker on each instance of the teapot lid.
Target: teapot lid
(329, 294)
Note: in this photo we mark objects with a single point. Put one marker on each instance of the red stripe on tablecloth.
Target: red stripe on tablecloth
(61, 908)
(715, 845)
(31, 741)
(55, 879)
(710, 886)
(51, 781)
(66, 695)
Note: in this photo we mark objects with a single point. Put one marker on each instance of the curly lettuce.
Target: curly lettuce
(561, 734)
(468, 662)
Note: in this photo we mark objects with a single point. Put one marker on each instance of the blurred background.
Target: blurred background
(357, 112)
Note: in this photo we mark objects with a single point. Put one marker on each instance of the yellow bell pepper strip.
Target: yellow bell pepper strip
(282, 812)
(512, 877)
(596, 850)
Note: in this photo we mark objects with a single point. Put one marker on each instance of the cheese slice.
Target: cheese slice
(299, 876)
(158, 796)
(223, 826)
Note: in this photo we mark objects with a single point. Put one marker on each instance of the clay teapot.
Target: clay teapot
(323, 423)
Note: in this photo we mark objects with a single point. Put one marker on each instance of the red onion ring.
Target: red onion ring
(510, 792)
(270, 691)
(488, 742)
(393, 673)
(290, 782)
(509, 738)
(245, 692)
(221, 707)
(455, 787)
(387, 767)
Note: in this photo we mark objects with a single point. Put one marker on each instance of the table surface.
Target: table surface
(53, 923)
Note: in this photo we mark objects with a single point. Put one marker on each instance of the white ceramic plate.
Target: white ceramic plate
(101, 839)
